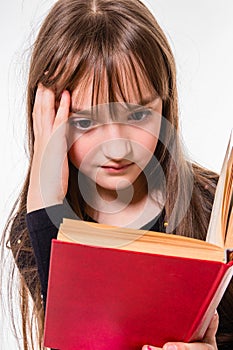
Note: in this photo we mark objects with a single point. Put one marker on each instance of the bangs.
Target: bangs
(120, 78)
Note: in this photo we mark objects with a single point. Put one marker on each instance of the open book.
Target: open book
(117, 288)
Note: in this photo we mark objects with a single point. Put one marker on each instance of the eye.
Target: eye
(82, 123)
(139, 115)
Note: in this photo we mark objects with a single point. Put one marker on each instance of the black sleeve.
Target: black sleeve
(43, 225)
(225, 311)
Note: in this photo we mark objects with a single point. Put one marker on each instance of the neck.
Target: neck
(130, 206)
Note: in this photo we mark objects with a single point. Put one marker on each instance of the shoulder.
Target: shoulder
(205, 182)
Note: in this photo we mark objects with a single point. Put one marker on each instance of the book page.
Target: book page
(229, 236)
(216, 234)
(228, 194)
(105, 236)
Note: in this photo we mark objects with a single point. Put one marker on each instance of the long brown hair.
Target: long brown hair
(79, 36)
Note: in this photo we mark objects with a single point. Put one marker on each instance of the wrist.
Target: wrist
(35, 199)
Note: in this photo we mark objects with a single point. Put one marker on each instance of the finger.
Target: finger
(43, 109)
(63, 109)
(208, 343)
(209, 336)
(48, 105)
(188, 346)
(37, 109)
(37, 102)
(55, 153)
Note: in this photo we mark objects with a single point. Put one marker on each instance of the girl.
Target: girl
(104, 145)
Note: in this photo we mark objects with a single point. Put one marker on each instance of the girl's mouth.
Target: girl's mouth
(116, 168)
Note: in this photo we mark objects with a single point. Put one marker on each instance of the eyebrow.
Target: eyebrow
(143, 102)
(130, 106)
(86, 112)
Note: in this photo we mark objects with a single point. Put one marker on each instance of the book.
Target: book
(119, 288)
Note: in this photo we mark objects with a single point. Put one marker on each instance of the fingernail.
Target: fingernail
(170, 347)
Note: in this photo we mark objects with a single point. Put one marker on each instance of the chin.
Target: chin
(115, 185)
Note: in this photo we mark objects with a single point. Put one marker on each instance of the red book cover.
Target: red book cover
(105, 298)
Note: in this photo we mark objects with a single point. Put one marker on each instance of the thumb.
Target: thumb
(209, 336)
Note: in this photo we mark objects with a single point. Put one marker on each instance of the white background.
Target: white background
(201, 36)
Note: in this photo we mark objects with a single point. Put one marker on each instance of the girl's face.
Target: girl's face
(111, 143)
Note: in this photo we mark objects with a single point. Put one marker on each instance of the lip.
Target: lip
(116, 168)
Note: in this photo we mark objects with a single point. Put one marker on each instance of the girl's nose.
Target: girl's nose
(117, 145)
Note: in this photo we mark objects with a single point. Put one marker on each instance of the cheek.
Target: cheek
(143, 149)
(77, 153)
(74, 155)
(146, 143)
(84, 152)
(148, 136)
(150, 143)
(148, 149)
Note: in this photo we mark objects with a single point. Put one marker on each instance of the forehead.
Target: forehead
(128, 85)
